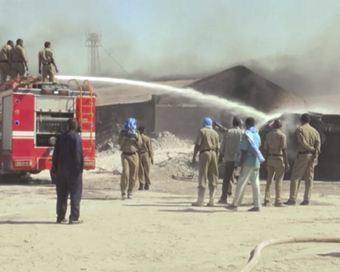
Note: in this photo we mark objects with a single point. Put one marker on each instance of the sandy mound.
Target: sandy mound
(172, 156)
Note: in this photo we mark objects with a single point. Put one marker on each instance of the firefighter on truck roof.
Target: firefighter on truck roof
(19, 62)
(5, 61)
(46, 60)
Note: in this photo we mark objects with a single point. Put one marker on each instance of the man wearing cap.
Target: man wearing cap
(228, 153)
(207, 143)
(5, 61)
(19, 61)
(308, 151)
(130, 142)
(46, 60)
(275, 147)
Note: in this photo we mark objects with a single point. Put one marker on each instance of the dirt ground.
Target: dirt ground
(159, 230)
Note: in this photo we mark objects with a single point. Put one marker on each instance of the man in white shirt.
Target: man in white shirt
(228, 153)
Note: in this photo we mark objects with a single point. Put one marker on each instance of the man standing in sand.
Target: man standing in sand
(228, 153)
(207, 143)
(145, 157)
(68, 163)
(308, 151)
(249, 163)
(46, 60)
(130, 142)
(276, 163)
(5, 61)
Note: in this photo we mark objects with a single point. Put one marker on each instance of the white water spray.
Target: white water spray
(228, 105)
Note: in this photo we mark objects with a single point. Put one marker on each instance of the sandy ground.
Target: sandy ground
(159, 230)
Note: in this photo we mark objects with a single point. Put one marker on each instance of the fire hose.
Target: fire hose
(256, 253)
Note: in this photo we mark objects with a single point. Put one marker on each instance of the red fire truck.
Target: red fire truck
(33, 114)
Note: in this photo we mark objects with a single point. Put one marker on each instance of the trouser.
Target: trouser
(129, 174)
(18, 69)
(68, 184)
(47, 73)
(144, 169)
(5, 70)
(303, 169)
(248, 174)
(276, 169)
(207, 169)
(227, 179)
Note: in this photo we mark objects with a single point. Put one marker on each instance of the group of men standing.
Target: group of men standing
(240, 151)
(14, 63)
(137, 154)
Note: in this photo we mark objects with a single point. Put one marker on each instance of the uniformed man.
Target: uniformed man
(228, 153)
(68, 164)
(130, 142)
(275, 147)
(145, 157)
(5, 61)
(207, 143)
(46, 60)
(19, 65)
(308, 152)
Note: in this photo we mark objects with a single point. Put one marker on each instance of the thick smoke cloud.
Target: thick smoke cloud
(184, 41)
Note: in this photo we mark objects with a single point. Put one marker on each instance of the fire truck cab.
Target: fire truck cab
(33, 114)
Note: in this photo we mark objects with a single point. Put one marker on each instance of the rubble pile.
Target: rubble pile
(179, 166)
(167, 140)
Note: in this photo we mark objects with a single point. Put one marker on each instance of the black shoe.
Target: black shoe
(232, 208)
(140, 187)
(222, 201)
(266, 203)
(76, 221)
(61, 221)
(290, 203)
(304, 203)
(279, 204)
(146, 187)
(254, 209)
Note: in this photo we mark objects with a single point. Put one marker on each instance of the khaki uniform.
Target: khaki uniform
(46, 58)
(130, 160)
(19, 61)
(207, 140)
(5, 63)
(145, 155)
(274, 144)
(308, 150)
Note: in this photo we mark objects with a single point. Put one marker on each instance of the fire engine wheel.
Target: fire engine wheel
(14, 178)
(53, 177)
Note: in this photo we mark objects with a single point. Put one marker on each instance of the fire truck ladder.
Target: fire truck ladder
(86, 85)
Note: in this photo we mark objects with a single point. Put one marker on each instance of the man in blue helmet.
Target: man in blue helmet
(130, 142)
(207, 143)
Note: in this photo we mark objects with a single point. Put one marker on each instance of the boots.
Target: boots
(211, 196)
(200, 198)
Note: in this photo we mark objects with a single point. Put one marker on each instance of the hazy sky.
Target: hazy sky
(285, 40)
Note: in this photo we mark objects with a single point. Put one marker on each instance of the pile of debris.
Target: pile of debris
(167, 140)
(179, 166)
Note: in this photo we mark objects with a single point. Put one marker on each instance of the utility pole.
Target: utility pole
(92, 43)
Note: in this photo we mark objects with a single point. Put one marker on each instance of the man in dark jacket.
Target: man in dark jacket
(68, 164)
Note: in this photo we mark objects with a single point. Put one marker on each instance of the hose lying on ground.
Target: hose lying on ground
(255, 254)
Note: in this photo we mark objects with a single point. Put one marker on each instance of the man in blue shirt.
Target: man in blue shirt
(250, 167)
(68, 164)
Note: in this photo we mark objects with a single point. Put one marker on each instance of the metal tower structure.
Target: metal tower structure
(92, 43)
